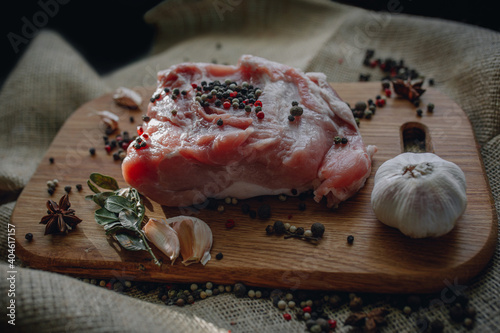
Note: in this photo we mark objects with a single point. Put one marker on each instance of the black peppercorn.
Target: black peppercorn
(220, 122)
(245, 208)
(264, 211)
(457, 313)
(51, 160)
(350, 239)
(67, 188)
(430, 107)
(360, 106)
(219, 256)
(302, 206)
(279, 227)
(318, 229)
(79, 187)
(252, 213)
(240, 290)
(299, 231)
(29, 236)
(291, 118)
(92, 151)
(419, 112)
(269, 229)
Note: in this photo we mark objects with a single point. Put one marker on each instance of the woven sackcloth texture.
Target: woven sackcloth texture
(313, 35)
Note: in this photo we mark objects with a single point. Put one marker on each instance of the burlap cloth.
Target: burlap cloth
(52, 80)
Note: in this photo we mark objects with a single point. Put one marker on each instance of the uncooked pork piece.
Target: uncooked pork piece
(258, 128)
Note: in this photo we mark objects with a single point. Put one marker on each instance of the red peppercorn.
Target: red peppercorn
(373, 63)
(140, 130)
(230, 224)
(260, 115)
(380, 102)
(109, 285)
(108, 148)
(307, 309)
(125, 145)
(332, 323)
(258, 103)
(194, 85)
(233, 94)
(388, 92)
(287, 316)
(226, 105)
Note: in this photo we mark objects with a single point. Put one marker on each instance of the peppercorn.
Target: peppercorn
(79, 187)
(386, 84)
(29, 236)
(457, 313)
(220, 122)
(317, 229)
(92, 151)
(361, 106)
(269, 229)
(308, 233)
(264, 211)
(368, 114)
(350, 239)
(180, 302)
(67, 188)
(437, 326)
(299, 231)
(356, 303)
(279, 227)
(430, 107)
(431, 82)
(252, 213)
(343, 141)
(302, 206)
(296, 111)
(240, 290)
(50, 190)
(219, 256)
(245, 208)
(51, 160)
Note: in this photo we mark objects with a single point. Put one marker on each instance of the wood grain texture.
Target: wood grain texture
(380, 260)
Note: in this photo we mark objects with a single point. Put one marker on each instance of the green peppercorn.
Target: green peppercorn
(258, 109)
(248, 108)
(337, 139)
(368, 114)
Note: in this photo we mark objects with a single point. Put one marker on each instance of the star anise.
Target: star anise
(60, 218)
(370, 322)
(408, 90)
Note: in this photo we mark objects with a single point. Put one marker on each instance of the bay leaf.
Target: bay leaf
(129, 219)
(103, 216)
(106, 182)
(116, 204)
(130, 242)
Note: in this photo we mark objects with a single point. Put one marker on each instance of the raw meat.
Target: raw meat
(195, 147)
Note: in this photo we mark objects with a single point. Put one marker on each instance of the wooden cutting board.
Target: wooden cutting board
(381, 259)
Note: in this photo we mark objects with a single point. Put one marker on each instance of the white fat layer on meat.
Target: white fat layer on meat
(244, 190)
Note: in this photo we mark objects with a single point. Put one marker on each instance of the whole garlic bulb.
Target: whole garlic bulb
(421, 194)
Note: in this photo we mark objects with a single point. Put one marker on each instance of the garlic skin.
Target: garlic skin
(164, 237)
(421, 194)
(195, 239)
(127, 97)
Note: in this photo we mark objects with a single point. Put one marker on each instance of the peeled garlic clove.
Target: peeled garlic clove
(195, 239)
(109, 120)
(421, 194)
(127, 97)
(163, 237)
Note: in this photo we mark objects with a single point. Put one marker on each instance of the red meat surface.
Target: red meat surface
(193, 150)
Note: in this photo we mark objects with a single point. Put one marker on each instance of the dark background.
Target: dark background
(103, 31)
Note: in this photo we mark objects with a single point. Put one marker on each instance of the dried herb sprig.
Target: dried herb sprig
(121, 214)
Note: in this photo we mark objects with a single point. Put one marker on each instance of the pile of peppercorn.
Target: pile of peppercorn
(395, 69)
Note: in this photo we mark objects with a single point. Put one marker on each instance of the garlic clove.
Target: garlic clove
(421, 194)
(164, 237)
(195, 239)
(127, 97)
